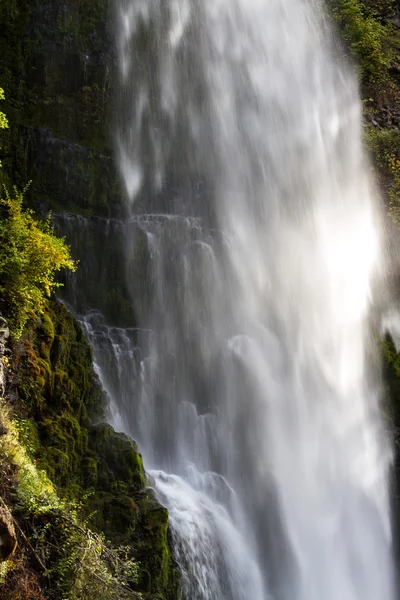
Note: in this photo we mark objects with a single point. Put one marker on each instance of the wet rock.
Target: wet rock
(8, 539)
(4, 330)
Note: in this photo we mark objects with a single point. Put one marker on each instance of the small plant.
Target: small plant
(3, 118)
(30, 257)
(5, 567)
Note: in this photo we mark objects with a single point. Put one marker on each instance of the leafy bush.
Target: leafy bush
(30, 257)
(365, 37)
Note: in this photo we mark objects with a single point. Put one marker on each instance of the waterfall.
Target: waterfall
(251, 248)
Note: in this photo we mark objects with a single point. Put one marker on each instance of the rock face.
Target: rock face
(56, 71)
(57, 76)
(8, 539)
(60, 392)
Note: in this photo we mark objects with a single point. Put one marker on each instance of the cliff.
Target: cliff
(95, 476)
(56, 69)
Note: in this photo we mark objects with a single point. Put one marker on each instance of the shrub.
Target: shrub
(365, 37)
(30, 257)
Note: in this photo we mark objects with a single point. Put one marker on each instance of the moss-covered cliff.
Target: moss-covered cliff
(55, 68)
(53, 398)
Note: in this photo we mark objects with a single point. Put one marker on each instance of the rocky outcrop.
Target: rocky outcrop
(8, 539)
(53, 387)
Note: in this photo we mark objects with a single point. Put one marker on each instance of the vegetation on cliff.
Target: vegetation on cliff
(60, 556)
(76, 491)
(30, 257)
(366, 37)
(3, 118)
(72, 493)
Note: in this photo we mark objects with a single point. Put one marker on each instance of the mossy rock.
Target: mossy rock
(114, 515)
(159, 573)
(89, 472)
(118, 457)
(90, 463)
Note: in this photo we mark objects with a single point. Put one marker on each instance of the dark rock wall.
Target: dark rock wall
(56, 70)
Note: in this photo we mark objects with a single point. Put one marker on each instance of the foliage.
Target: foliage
(20, 582)
(385, 9)
(3, 118)
(89, 464)
(365, 37)
(30, 257)
(5, 567)
(96, 569)
(35, 490)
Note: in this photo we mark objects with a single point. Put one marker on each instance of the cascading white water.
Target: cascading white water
(256, 402)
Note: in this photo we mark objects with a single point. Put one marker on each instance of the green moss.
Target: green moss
(47, 328)
(89, 472)
(115, 515)
(158, 573)
(57, 463)
(118, 456)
